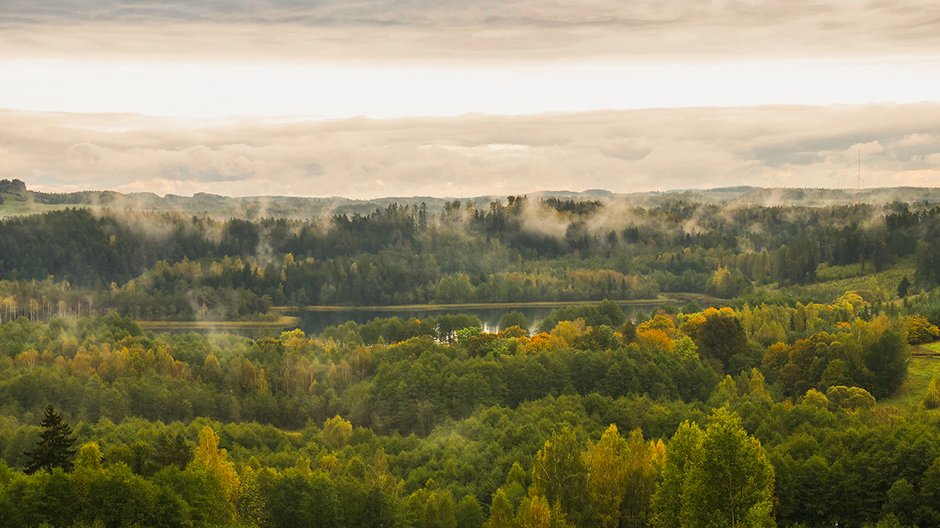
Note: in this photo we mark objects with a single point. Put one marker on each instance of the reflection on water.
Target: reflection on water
(313, 322)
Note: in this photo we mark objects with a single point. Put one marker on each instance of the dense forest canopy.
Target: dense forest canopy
(803, 376)
(80, 261)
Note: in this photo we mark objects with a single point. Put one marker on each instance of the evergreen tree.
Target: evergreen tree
(55, 446)
(904, 287)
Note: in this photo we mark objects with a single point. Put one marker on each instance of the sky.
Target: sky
(369, 98)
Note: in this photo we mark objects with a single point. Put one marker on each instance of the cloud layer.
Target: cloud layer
(455, 31)
(621, 151)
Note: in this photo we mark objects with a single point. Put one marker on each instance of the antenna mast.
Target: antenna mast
(859, 169)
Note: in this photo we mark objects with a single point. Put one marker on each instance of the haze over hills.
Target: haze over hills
(480, 264)
(16, 199)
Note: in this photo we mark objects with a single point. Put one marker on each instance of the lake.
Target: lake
(314, 319)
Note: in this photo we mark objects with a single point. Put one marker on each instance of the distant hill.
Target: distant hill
(17, 199)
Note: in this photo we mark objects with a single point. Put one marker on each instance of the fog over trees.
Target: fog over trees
(788, 380)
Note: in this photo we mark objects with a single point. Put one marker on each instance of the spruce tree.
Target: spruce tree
(56, 444)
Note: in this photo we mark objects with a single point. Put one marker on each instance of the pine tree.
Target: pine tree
(56, 444)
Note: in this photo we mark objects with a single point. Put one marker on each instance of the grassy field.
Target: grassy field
(883, 282)
(921, 371)
(932, 349)
(17, 208)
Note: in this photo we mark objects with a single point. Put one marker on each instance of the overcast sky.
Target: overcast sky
(365, 98)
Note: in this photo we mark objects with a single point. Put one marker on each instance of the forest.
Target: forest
(800, 387)
(149, 265)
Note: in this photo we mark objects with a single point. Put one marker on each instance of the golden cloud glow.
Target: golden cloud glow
(621, 151)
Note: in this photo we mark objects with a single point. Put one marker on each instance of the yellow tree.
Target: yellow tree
(642, 462)
(208, 456)
(500, 512)
(337, 431)
(534, 513)
(932, 397)
(606, 477)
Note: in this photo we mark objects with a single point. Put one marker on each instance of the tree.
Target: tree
(89, 457)
(171, 451)
(606, 479)
(920, 330)
(501, 515)
(514, 318)
(252, 507)
(729, 481)
(667, 501)
(560, 476)
(930, 495)
(55, 446)
(208, 456)
(904, 287)
(534, 513)
(902, 501)
(299, 497)
(440, 510)
(852, 398)
(932, 397)
(469, 513)
(643, 460)
(720, 335)
(337, 431)
(887, 359)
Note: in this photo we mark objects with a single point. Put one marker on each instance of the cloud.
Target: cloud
(622, 151)
(452, 31)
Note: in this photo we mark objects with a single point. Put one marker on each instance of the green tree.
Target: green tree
(721, 336)
(560, 476)
(852, 398)
(469, 513)
(904, 287)
(887, 359)
(930, 495)
(171, 451)
(298, 499)
(729, 481)
(902, 501)
(667, 500)
(337, 431)
(251, 506)
(501, 515)
(440, 510)
(514, 318)
(55, 446)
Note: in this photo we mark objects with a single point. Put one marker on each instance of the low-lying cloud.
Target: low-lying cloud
(622, 151)
(491, 30)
